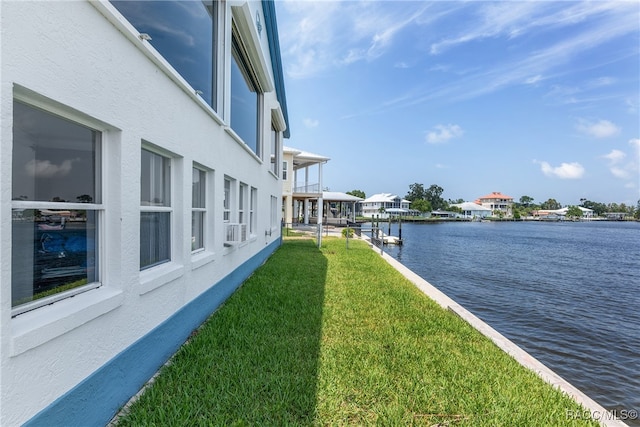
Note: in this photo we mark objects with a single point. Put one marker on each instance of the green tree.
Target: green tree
(574, 212)
(550, 204)
(434, 196)
(357, 193)
(416, 192)
(526, 201)
(597, 208)
(421, 205)
(636, 214)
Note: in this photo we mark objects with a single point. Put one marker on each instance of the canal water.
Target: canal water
(568, 293)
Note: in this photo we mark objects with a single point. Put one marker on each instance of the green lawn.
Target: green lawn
(332, 336)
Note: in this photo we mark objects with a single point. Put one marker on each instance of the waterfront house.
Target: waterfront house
(382, 204)
(341, 208)
(141, 146)
(473, 210)
(560, 214)
(302, 186)
(497, 202)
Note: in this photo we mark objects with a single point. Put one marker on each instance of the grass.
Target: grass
(332, 336)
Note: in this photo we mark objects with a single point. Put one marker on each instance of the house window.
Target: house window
(56, 207)
(245, 97)
(183, 32)
(198, 208)
(226, 216)
(155, 209)
(253, 202)
(285, 170)
(242, 211)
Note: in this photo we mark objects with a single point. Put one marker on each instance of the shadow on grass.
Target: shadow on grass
(255, 361)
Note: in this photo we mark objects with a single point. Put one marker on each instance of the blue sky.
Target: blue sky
(527, 98)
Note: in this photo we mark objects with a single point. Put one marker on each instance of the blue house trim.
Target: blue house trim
(269, 11)
(101, 395)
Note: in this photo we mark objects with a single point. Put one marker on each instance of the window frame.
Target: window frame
(240, 58)
(166, 209)
(253, 204)
(203, 178)
(217, 49)
(243, 211)
(66, 114)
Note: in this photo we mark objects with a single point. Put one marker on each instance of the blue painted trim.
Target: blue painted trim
(100, 396)
(269, 11)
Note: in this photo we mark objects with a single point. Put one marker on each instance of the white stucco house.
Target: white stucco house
(140, 184)
(384, 204)
(473, 210)
(302, 186)
(498, 203)
(561, 213)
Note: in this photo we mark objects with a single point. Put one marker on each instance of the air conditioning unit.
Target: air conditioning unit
(231, 234)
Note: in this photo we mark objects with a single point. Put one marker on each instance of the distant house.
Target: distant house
(340, 208)
(473, 210)
(560, 213)
(497, 201)
(616, 216)
(443, 214)
(383, 205)
(302, 185)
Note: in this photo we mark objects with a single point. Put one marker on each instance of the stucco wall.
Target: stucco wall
(70, 57)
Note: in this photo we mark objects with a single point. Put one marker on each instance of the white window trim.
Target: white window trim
(253, 213)
(34, 99)
(38, 326)
(206, 255)
(201, 209)
(244, 20)
(133, 35)
(243, 212)
(156, 276)
(232, 209)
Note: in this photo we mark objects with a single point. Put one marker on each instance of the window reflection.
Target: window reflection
(52, 251)
(54, 160)
(244, 105)
(182, 32)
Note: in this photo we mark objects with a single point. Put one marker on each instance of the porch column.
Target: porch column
(306, 211)
(288, 208)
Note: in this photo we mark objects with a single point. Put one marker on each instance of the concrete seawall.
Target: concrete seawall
(592, 408)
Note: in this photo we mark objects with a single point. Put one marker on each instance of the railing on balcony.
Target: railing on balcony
(309, 188)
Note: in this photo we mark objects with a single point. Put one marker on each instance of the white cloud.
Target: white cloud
(533, 80)
(621, 169)
(615, 156)
(619, 172)
(316, 36)
(311, 123)
(46, 169)
(599, 129)
(572, 170)
(444, 133)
